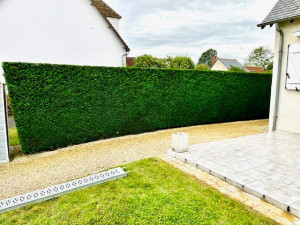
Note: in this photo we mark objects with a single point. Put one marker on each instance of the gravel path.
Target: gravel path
(31, 172)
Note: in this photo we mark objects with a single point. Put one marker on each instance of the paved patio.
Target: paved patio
(264, 165)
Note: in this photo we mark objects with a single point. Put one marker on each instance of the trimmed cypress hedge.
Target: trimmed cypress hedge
(60, 105)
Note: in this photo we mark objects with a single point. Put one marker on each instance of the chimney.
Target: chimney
(214, 59)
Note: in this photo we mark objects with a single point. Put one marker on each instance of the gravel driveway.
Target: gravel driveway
(31, 172)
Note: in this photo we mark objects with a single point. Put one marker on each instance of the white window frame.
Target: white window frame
(293, 68)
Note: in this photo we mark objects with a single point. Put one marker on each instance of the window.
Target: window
(293, 68)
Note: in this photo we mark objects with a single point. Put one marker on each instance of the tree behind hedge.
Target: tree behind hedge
(150, 62)
(202, 67)
(237, 69)
(183, 63)
(261, 56)
(206, 57)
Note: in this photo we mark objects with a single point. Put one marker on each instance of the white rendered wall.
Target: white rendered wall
(56, 31)
(289, 107)
(114, 22)
(219, 66)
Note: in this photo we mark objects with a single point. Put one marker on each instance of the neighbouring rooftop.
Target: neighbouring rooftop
(255, 69)
(231, 62)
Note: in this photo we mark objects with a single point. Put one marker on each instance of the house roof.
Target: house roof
(105, 9)
(255, 69)
(231, 62)
(283, 10)
(108, 12)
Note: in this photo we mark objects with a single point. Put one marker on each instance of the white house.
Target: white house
(221, 64)
(80, 32)
(285, 98)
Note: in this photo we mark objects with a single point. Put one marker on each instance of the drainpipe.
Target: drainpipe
(124, 59)
(280, 53)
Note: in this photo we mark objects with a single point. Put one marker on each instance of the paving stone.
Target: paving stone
(288, 216)
(191, 162)
(272, 215)
(282, 198)
(255, 174)
(261, 209)
(295, 208)
(250, 203)
(283, 221)
(240, 178)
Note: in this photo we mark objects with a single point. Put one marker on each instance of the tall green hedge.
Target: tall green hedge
(60, 105)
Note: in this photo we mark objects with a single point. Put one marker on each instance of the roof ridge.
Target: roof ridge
(228, 59)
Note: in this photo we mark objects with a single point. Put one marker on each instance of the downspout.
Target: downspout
(280, 53)
(124, 57)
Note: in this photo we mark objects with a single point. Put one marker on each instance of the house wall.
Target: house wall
(114, 22)
(219, 66)
(56, 31)
(289, 107)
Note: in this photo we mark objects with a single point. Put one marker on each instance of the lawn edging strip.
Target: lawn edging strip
(60, 189)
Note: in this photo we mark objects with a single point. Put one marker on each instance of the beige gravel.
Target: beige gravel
(31, 172)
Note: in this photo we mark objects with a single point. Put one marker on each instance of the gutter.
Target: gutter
(280, 53)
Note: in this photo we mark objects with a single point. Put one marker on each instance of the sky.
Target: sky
(190, 27)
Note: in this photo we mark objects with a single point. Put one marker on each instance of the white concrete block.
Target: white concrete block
(180, 142)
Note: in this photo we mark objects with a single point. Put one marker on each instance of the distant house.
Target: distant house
(130, 61)
(221, 64)
(84, 32)
(285, 97)
(255, 69)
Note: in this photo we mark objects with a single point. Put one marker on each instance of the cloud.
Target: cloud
(189, 27)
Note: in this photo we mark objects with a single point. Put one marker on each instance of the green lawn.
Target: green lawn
(153, 193)
(13, 137)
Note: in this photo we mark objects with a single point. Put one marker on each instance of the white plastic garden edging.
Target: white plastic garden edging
(60, 189)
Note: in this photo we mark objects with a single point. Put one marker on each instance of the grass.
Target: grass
(13, 137)
(153, 193)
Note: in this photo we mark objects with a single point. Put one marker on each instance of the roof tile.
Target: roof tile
(231, 62)
(105, 9)
(283, 10)
(106, 12)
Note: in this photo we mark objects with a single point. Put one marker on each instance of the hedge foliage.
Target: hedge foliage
(60, 105)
